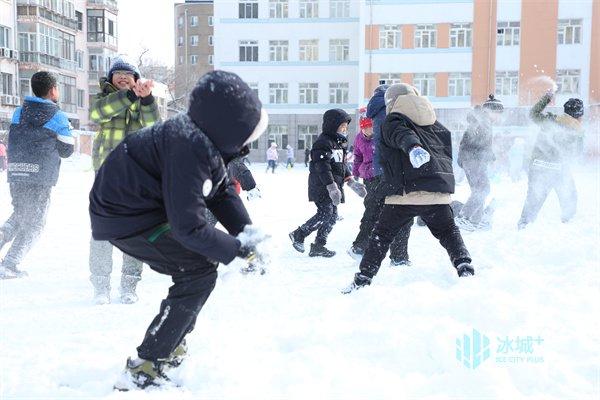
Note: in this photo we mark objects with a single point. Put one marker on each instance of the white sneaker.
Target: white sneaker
(102, 298)
(129, 298)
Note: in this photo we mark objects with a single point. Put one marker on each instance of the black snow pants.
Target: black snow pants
(479, 183)
(322, 222)
(438, 218)
(542, 180)
(374, 203)
(30, 205)
(193, 276)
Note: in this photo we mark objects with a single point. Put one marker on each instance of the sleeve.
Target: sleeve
(358, 159)
(238, 170)
(185, 205)
(229, 209)
(536, 113)
(65, 142)
(149, 114)
(321, 157)
(107, 107)
(398, 135)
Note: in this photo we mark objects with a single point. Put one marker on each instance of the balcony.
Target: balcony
(97, 37)
(42, 58)
(34, 8)
(110, 4)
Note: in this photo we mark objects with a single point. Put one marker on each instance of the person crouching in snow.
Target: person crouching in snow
(272, 157)
(149, 200)
(549, 168)
(327, 174)
(416, 156)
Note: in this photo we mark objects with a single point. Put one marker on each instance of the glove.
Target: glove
(357, 187)
(418, 156)
(334, 193)
(253, 247)
(253, 194)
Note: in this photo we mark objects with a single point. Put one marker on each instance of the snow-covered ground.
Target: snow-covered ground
(291, 334)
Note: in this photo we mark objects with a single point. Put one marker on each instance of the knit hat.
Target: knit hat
(224, 107)
(493, 104)
(365, 122)
(574, 108)
(119, 64)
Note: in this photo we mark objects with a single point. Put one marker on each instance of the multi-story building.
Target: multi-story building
(302, 58)
(194, 44)
(305, 56)
(9, 56)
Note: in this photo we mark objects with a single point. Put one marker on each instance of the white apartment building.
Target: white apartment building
(9, 58)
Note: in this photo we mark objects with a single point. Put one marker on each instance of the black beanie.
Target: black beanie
(493, 104)
(224, 107)
(574, 108)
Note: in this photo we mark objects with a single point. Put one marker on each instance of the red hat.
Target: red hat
(365, 123)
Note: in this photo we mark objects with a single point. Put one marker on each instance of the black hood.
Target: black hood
(332, 119)
(224, 107)
(38, 113)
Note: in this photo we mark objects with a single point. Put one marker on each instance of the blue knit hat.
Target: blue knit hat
(120, 64)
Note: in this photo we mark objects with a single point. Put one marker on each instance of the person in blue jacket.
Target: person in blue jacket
(39, 136)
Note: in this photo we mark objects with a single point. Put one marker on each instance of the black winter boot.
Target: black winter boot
(465, 269)
(359, 281)
(319, 250)
(297, 239)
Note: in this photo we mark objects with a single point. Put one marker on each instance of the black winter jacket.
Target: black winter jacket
(170, 172)
(376, 111)
(400, 135)
(476, 143)
(328, 155)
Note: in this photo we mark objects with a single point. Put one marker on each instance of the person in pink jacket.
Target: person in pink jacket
(2, 156)
(272, 157)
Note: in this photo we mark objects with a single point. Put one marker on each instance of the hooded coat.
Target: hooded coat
(39, 136)
(364, 150)
(376, 111)
(328, 155)
(476, 143)
(173, 171)
(411, 121)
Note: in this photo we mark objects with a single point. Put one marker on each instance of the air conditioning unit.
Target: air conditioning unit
(6, 100)
(4, 52)
(14, 54)
(16, 100)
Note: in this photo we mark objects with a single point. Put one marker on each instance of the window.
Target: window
(425, 83)
(568, 81)
(210, 40)
(181, 60)
(211, 59)
(569, 31)
(6, 83)
(278, 8)
(25, 87)
(211, 21)
(180, 21)
(248, 50)
(507, 83)
(339, 50)
(308, 93)
(389, 79)
(508, 33)
(339, 9)
(111, 27)
(101, 26)
(278, 93)
(309, 8)
(307, 135)
(279, 135)
(425, 36)
(309, 50)
(193, 59)
(338, 92)
(79, 59)
(27, 42)
(460, 35)
(459, 84)
(79, 16)
(278, 50)
(194, 20)
(180, 41)
(254, 87)
(390, 37)
(248, 9)
(68, 93)
(194, 40)
(4, 36)
(80, 98)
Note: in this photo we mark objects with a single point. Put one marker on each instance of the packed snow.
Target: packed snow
(291, 334)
